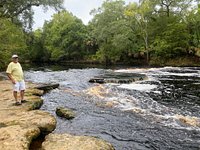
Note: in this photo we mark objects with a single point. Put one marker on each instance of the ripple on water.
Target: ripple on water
(158, 114)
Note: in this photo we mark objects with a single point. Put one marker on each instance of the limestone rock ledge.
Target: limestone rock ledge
(19, 125)
(42, 120)
(70, 142)
(17, 137)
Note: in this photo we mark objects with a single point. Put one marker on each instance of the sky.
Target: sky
(79, 8)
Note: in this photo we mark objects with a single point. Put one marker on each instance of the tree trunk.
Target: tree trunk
(146, 47)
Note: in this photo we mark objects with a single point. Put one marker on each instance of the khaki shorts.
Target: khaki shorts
(19, 86)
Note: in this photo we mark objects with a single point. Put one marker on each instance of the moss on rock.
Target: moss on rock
(65, 112)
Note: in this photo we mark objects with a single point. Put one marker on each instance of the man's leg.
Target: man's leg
(15, 95)
(22, 91)
(22, 95)
(15, 90)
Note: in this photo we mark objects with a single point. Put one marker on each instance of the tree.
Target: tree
(166, 20)
(171, 7)
(193, 20)
(64, 37)
(170, 42)
(141, 15)
(36, 50)
(15, 17)
(22, 9)
(12, 40)
(111, 31)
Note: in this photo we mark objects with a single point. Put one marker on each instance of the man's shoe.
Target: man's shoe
(18, 103)
(23, 101)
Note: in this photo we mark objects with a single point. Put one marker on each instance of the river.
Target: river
(159, 113)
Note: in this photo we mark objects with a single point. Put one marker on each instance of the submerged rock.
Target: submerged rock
(117, 77)
(70, 142)
(97, 80)
(65, 112)
(47, 87)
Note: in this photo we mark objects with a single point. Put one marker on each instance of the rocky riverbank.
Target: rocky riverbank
(19, 125)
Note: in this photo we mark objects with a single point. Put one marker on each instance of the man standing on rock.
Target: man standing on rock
(15, 74)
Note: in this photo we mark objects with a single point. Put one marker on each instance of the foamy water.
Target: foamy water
(133, 97)
(139, 87)
(161, 112)
(142, 104)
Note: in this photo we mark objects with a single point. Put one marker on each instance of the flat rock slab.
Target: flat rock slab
(70, 142)
(118, 77)
(43, 120)
(17, 137)
(20, 124)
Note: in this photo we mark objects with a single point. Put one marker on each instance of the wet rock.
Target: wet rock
(97, 80)
(70, 142)
(47, 87)
(34, 91)
(35, 103)
(3, 76)
(117, 77)
(65, 112)
(17, 137)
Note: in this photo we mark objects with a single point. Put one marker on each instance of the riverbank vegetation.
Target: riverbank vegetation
(151, 32)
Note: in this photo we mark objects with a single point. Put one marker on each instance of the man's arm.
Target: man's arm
(11, 78)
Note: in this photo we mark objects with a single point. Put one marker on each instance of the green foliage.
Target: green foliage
(64, 37)
(114, 36)
(151, 29)
(171, 42)
(37, 52)
(22, 9)
(15, 15)
(12, 40)
(140, 16)
(193, 20)
(157, 28)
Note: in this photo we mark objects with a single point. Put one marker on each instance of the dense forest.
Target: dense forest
(151, 32)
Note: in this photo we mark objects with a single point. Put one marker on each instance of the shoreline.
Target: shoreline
(21, 126)
(136, 63)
